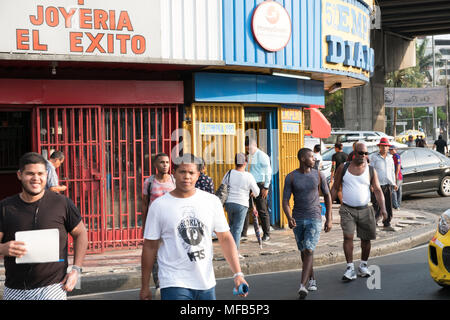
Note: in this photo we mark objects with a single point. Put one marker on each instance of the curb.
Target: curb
(254, 265)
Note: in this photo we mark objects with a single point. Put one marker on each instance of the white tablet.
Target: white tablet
(42, 246)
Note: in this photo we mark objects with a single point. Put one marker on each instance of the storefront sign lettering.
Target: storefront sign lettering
(72, 27)
(350, 53)
(214, 128)
(291, 115)
(346, 37)
(289, 127)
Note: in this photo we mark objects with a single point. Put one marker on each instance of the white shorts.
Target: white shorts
(51, 292)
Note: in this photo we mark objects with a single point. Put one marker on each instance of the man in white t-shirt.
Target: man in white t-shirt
(183, 221)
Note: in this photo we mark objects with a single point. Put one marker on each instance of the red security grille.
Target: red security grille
(76, 131)
(133, 135)
(108, 152)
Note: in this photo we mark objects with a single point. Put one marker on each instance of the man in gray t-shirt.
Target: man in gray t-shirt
(305, 219)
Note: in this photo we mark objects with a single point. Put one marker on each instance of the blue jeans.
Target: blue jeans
(177, 293)
(236, 216)
(307, 233)
(397, 195)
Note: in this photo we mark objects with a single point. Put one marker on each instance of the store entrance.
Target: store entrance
(15, 140)
(261, 124)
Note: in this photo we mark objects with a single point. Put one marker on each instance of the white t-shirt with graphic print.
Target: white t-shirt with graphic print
(184, 226)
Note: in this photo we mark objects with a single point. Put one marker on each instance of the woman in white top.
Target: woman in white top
(241, 183)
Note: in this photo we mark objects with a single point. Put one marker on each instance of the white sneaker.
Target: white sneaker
(302, 292)
(363, 271)
(349, 274)
(312, 285)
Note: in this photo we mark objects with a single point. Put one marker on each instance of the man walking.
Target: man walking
(397, 194)
(183, 221)
(306, 220)
(154, 187)
(259, 166)
(440, 145)
(35, 208)
(356, 178)
(55, 161)
(383, 163)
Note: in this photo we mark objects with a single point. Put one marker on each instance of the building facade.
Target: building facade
(112, 83)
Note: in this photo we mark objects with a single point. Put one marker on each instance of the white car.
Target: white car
(350, 136)
(348, 148)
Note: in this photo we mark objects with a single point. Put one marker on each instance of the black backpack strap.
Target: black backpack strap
(346, 165)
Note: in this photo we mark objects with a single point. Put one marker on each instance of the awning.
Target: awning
(320, 127)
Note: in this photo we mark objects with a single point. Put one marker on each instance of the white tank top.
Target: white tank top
(356, 189)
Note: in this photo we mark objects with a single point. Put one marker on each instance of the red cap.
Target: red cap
(384, 142)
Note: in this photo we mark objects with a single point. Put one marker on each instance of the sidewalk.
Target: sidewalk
(119, 270)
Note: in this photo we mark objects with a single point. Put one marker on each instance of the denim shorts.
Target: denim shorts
(177, 293)
(307, 233)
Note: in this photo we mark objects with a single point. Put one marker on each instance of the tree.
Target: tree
(334, 109)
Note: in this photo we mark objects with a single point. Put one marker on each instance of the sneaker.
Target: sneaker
(312, 285)
(241, 257)
(363, 271)
(302, 292)
(266, 238)
(349, 274)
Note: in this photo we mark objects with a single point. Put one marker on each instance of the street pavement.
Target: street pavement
(120, 270)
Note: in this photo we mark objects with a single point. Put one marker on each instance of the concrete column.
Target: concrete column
(364, 106)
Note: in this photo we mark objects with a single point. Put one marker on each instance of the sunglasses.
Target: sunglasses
(362, 153)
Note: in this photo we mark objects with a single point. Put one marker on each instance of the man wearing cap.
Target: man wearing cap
(383, 163)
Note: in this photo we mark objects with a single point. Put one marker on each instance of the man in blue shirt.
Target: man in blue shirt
(259, 166)
(55, 161)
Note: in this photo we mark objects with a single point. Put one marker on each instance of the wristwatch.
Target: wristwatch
(74, 267)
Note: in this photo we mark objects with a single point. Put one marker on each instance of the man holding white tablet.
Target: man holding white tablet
(36, 209)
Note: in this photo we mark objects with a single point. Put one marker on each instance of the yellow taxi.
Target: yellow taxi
(403, 137)
(439, 252)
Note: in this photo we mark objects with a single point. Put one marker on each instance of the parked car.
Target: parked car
(349, 136)
(403, 137)
(425, 170)
(439, 252)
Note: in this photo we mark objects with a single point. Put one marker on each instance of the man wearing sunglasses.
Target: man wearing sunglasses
(356, 212)
(383, 163)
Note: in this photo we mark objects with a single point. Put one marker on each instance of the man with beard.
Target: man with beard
(183, 221)
(36, 208)
(356, 212)
(306, 221)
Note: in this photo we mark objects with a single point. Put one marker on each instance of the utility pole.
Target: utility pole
(435, 124)
(448, 98)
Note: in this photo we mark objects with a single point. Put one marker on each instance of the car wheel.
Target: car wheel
(444, 187)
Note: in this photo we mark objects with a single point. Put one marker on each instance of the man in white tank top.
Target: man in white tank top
(356, 210)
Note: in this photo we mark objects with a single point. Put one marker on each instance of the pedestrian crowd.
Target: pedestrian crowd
(182, 215)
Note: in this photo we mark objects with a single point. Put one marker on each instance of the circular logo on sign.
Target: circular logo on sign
(271, 26)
